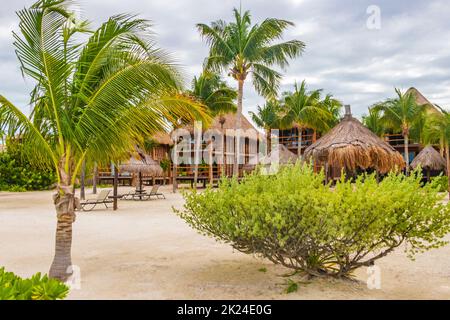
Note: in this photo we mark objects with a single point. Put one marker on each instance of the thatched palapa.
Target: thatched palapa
(429, 159)
(350, 145)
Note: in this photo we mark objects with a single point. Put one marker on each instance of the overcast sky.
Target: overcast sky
(349, 53)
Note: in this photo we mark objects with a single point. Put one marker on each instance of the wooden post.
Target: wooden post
(326, 172)
(94, 179)
(115, 184)
(211, 174)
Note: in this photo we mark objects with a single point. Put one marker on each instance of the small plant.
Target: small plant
(293, 219)
(262, 269)
(291, 286)
(441, 182)
(38, 287)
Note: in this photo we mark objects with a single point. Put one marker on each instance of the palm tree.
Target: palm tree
(334, 107)
(305, 109)
(241, 48)
(214, 93)
(437, 130)
(374, 122)
(402, 113)
(268, 117)
(92, 100)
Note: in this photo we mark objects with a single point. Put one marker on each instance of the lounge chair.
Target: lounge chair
(102, 198)
(154, 192)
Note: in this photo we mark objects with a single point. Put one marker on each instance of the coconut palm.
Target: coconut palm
(334, 107)
(241, 48)
(401, 113)
(92, 100)
(437, 130)
(268, 117)
(304, 109)
(374, 122)
(214, 93)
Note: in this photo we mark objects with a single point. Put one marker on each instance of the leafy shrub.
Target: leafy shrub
(17, 175)
(441, 182)
(37, 287)
(293, 219)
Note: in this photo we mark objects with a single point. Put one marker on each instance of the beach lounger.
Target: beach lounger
(102, 198)
(154, 192)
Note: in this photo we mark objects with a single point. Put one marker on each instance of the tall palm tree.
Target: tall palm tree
(305, 109)
(268, 117)
(374, 122)
(402, 113)
(214, 93)
(241, 48)
(92, 100)
(437, 130)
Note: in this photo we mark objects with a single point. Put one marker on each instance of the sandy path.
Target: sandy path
(144, 251)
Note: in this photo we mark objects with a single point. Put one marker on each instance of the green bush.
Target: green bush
(293, 219)
(442, 182)
(17, 175)
(37, 287)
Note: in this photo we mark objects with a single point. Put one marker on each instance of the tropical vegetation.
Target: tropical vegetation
(401, 113)
(294, 219)
(38, 287)
(91, 99)
(241, 49)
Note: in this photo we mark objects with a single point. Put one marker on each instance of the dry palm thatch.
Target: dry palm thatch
(429, 159)
(142, 166)
(224, 122)
(162, 138)
(350, 145)
(279, 155)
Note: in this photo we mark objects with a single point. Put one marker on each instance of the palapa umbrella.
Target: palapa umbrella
(350, 145)
(429, 159)
(146, 166)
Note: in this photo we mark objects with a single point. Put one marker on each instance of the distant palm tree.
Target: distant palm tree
(241, 48)
(305, 109)
(374, 122)
(92, 100)
(401, 113)
(333, 106)
(214, 93)
(268, 117)
(437, 130)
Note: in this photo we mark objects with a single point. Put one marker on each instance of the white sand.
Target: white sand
(144, 251)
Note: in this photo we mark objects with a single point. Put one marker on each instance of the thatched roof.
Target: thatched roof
(162, 138)
(224, 122)
(142, 163)
(421, 100)
(429, 159)
(279, 154)
(350, 145)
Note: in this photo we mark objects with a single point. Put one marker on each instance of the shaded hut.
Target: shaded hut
(145, 166)
(280, 155)
(222, 126)
(352, 147)
(430, 160)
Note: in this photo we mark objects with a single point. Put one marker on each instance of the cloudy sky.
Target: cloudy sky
(349, 53)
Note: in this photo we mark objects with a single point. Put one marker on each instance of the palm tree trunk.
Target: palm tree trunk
(64, 201)
(238, 128)
(406, 138)
(268, 141)
(299, 142)
(447, 156)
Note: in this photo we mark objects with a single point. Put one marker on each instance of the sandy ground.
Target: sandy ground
(144, 251)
